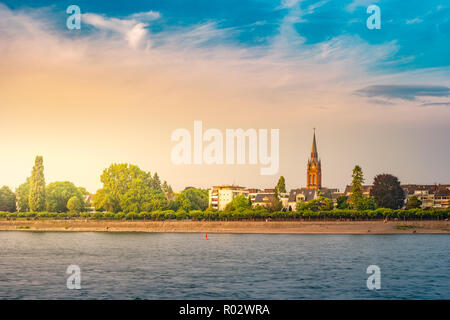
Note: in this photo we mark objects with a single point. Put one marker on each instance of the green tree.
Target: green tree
(342, 202)
(23, 195)
(280, 187)
(357, 186)
(193, 199)
(239, 202)
(58, 194)
(387, 192)
(156, 182)
(167, 189)
(37, 186)
(127, 188)
(413, 203)
(74, 204)
(7, 199)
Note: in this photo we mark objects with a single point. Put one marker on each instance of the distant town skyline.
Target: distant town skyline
(116, 89)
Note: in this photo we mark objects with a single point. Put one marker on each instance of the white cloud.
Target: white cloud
(146, 16)
(132, 28)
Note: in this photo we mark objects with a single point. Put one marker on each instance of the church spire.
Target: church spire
(314, 154)
(314, 168)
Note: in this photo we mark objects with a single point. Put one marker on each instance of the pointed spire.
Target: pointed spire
(314, 155)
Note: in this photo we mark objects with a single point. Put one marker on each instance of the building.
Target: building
(314, 168)
(220, 196)
(431, 196)
(365, 190)
(305, 194)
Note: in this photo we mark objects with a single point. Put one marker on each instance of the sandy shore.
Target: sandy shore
(288, 227)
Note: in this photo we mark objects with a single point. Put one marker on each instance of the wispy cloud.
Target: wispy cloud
(430, 104)
(132, 28)
(404, 92)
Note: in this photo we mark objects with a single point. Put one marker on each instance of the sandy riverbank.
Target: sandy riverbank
(288, 227)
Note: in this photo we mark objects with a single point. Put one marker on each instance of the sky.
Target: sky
(115, 90)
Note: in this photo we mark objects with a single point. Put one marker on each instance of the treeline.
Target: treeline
(126, 188)
(242, 214)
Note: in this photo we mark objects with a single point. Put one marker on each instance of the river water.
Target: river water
(227, 266)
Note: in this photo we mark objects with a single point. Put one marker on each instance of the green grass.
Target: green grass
(23, 227)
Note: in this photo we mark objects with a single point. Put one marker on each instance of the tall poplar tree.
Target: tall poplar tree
(280, 187)
(357, 186)
(37, 186)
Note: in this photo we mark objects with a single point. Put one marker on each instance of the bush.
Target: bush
(145, 215)
(85, 214)
(30, 214)
(11, 215)
(131, 216)
(3, 214)
(119, 216)
(181, 214)
(169, 214)
(108, 215)
(97, 215)
(196, 214)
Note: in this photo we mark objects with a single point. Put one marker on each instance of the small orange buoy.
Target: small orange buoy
(206, 236)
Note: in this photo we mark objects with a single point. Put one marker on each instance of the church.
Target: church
(314, 187)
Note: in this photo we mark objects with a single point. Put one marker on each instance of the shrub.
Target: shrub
(119, 216)
(181, 214)
(145, 215)
(196, 214)
(61, 215)
(30, 214)
(85, 214)
(131, 216)
(169, 214)
(109, 215)
(97, 215)
(12, 215)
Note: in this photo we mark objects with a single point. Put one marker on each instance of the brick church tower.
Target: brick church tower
(314, 168)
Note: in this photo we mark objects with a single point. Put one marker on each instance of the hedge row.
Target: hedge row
(246, 214)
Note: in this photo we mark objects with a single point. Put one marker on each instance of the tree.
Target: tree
(239, 202)
(280, 187)
(167, 189)
(23, 195)
(387, 191)
(58, 194)
(413, 203)
(342, 202)
(7, 199)
(74, 204)
(156, 182)
(37, 186)
(127, 188)
(357, 185)
(274, 204)
(193, 199)
(321, 203)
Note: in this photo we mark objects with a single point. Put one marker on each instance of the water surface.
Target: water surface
(227, 266)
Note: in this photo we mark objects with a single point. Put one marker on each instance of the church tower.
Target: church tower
(314, 168)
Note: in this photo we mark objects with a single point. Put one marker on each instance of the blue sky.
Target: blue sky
(421, 29)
